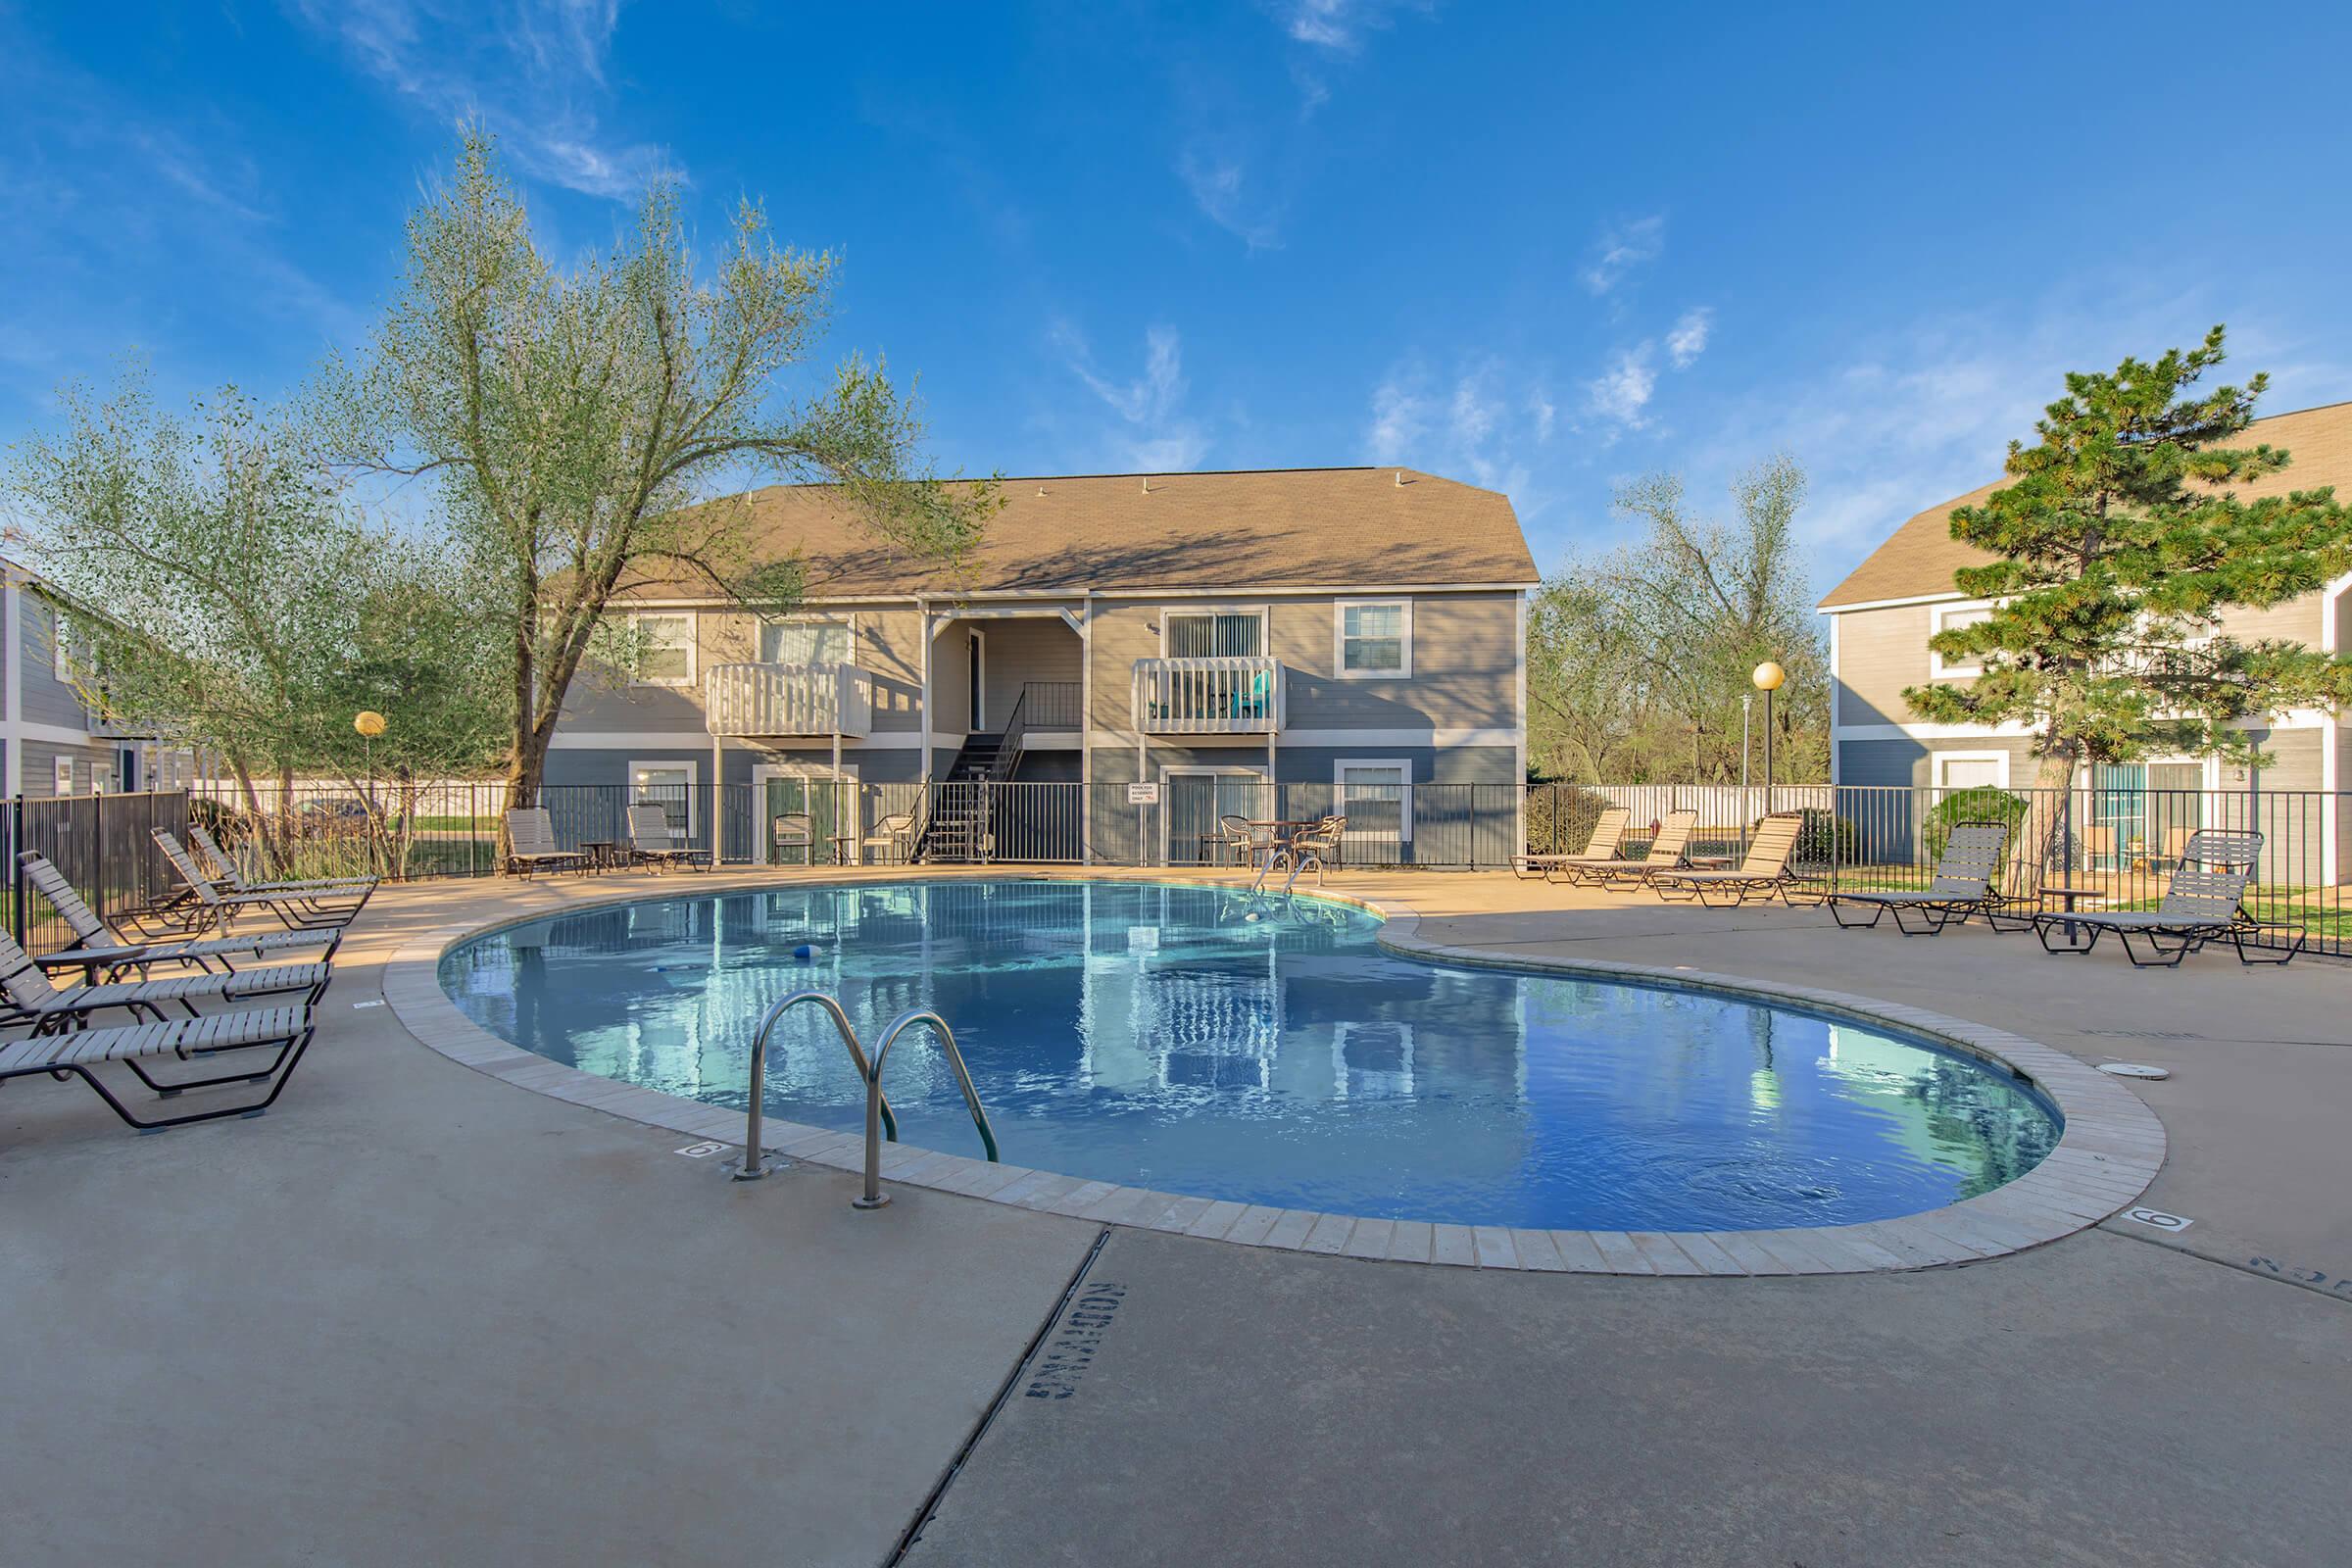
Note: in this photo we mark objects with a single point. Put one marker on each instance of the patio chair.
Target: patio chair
(97, 945)
(79, 1054)
(224, 871)
(1762, 872)
(1963, 885)
(1600, 850)
(2204, 902)
(1669, 850)
(200, 905)
(32, 999)
(1252, 843)
(654, 842)
(531, 844)
(894, 837)
(791, 830)
(1318, 846)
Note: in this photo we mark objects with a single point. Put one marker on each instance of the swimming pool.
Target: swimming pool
(1193, 1039)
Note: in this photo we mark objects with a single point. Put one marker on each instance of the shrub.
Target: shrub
(1824, 838)
(1560, 817)
(1980, 803)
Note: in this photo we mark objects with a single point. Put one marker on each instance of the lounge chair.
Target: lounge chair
(98, 947)
(531, 843)
(1669, 851)
(654, 842)
(1962, 886)
(1599, 853)
(2204, 902)
(201, 905)
(1761, 873)
(77, 1054)
(333, 889)
(32, 999)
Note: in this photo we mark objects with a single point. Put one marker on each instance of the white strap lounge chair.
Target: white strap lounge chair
(79, 1053)
(32, 999)
(97, 946)
(1963, 885)
(531, 843)
(1762, 872)
(655, 843)
(1600, 854)
(2204, 902)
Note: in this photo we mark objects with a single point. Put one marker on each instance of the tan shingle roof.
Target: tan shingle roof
(1922, 555)
(1282, 528)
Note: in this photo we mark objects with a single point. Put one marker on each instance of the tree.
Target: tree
(223, 590)
(1637, 660)
(579, 424)
(2118, 551)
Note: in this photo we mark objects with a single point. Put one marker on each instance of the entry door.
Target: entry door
(974, 672)
(796, 794)
(1197, 802)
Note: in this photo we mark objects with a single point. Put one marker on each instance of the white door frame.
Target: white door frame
(975, 676)
(1170, 770)
(764, 773)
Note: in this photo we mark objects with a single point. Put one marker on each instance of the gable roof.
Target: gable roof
(1919, 560)
(1269, 528)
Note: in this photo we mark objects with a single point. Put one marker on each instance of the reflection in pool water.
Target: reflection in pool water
(1192, 1040)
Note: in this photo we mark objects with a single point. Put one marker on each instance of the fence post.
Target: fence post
(16, 868)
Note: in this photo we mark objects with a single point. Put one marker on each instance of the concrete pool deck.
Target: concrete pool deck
(416, 1315)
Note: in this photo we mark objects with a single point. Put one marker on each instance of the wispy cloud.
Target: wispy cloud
(1154, 435)
(1339, 25)
(1621, 248)
(1220, 187)
(1688, 339)
(1620, 393)
(1476, 425)
(535, 75)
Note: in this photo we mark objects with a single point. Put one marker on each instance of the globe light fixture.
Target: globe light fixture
(369, 722)
(1768, 678)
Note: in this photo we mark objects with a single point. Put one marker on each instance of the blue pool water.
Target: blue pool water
(1164, 1037)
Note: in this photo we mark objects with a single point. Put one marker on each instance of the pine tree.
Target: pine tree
(2120, 546)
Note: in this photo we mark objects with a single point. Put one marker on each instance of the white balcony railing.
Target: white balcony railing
(746, 699)
(1208, 696)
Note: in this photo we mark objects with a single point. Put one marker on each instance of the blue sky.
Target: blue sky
(1541, 248)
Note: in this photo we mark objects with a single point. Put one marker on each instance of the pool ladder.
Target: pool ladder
(880, 1120)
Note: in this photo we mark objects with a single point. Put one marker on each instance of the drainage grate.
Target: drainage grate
(2133, 1069)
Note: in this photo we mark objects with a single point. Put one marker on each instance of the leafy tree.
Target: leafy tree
(579, 422)
(1637, 660)
(223, 590)
(2122, 543)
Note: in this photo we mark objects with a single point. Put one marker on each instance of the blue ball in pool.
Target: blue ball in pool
(803, 952)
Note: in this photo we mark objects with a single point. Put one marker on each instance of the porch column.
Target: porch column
(923, 713)
(1086, 733)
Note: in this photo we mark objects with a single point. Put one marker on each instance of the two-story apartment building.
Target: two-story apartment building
(1361, 628)
(1882, 615)
(50, 743)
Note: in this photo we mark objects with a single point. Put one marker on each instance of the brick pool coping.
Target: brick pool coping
(2109, 1148)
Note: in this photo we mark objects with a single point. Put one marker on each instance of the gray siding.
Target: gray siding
(47, 700)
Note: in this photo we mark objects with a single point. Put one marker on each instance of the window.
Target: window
(1211, 634)
(804, 642)
(1950, 617)
(1375, 639)
(665, 649)
(1376, 796)
(64, 775)
(61, 647)
(668, 785)
(1970, 771)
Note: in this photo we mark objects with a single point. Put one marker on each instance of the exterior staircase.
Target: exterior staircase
(957, 831)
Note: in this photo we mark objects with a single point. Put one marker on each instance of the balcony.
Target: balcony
(1235, 696)
(753, 699)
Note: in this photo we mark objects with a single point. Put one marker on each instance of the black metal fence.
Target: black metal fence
(2100, 847)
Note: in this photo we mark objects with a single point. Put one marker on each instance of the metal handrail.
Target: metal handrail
(753, 1166)
(873, 1197)
(880, 1120)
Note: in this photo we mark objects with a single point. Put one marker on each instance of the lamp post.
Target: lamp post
(1768, 678)
(1748, 700)
(370, 725)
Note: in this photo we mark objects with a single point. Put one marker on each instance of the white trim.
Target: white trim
(694, 778)
(1886, 604)
(1519, 746)
(655, 739)
(976, 681)
(1937, 759)
(60, 769)
(900, 600)
(2292, 719)
(694, 635)
(1339, 639)
(847, 810)
(1263, 614)
(1937, 669)
(1837, 700)
(1501, 738)
(1405, 798)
